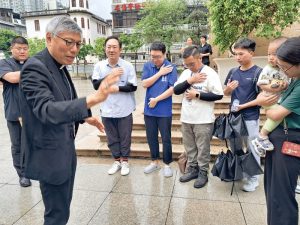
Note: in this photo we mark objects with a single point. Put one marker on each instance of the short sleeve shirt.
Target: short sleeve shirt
(119, 104)
(10, 90)
(197, 111)
(247, 90)
(290, 100)
(163, 108)
(205, 49)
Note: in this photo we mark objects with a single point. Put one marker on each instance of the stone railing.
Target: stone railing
(225, 64)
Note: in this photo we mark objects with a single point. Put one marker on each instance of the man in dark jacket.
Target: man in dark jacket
(51, 114)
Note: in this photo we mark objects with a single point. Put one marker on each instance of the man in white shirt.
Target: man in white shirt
(201, 86)
(116, 110)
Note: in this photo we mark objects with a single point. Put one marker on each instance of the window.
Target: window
(88, 23)
(83, 40)
(89, 41)
(125, 19)
(75, 19)
(81, 3)
(37, 25)
(82, 22)
(87, 4)
(73, 3)
(117, 1)
(103, 30)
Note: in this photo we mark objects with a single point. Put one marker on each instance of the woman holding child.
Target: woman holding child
(281, 170)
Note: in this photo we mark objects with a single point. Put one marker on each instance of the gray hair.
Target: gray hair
(62, 24)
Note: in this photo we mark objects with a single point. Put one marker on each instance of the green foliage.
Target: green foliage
(162, 21)
(232, 19)
(197, 19)
(99, 48)
(131, 42)
(36, 45)
(84, 51)
(5, 38)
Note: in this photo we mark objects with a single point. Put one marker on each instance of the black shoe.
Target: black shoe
(192, 173)
(201, 180)
(24, 182)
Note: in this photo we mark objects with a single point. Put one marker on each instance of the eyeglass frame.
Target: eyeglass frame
(69, 43)
(25, 49)
(280, 67)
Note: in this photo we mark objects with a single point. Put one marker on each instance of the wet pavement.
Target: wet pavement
(138, 199)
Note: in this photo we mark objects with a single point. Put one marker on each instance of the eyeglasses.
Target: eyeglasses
(189, 65)
(283, 69)
(156, 56)
(25, 49)
(69, 43)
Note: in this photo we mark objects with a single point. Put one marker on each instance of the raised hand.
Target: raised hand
(164, 70)
(198, 78)
(231, 85)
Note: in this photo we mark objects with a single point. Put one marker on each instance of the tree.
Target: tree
(85, 50)
(162, 20)
(197, 19)
(132, 42)
(36, 45)
(99, 49)
(231, 19)
(5, 38)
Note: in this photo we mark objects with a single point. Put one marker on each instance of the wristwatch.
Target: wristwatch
(197, 95)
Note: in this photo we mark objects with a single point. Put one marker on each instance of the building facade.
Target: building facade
(125, 14)
(20, 6)
(92, 26)
(12, 21)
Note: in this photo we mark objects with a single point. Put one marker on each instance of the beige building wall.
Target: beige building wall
(262, 43)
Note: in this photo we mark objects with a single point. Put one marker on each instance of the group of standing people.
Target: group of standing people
(205, 48)
(41, 92)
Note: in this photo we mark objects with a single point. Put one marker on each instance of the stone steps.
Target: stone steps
(141, 150)
(97, 145)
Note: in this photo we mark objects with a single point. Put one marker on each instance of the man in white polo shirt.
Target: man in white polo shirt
(116, 110)
(201, 87)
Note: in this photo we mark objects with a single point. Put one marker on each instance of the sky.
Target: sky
(101, 8)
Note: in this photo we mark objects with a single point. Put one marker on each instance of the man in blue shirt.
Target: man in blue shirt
(241, 85)
(159, 77)
(10, 76)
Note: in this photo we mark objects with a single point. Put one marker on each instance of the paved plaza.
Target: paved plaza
(102, 199)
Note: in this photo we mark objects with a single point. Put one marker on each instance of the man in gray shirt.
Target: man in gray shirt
(10, 76)
(116, 110)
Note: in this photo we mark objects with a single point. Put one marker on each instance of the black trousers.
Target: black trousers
(118, 132)
(57, 199)
(163, 125)
(280, 180)
(15, 129)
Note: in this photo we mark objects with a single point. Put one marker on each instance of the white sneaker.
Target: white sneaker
(250, 185)
(151, 168)
(167, 171)
(124, 168)
(116, 166)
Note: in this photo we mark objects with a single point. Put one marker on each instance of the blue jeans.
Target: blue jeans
(163, 124)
